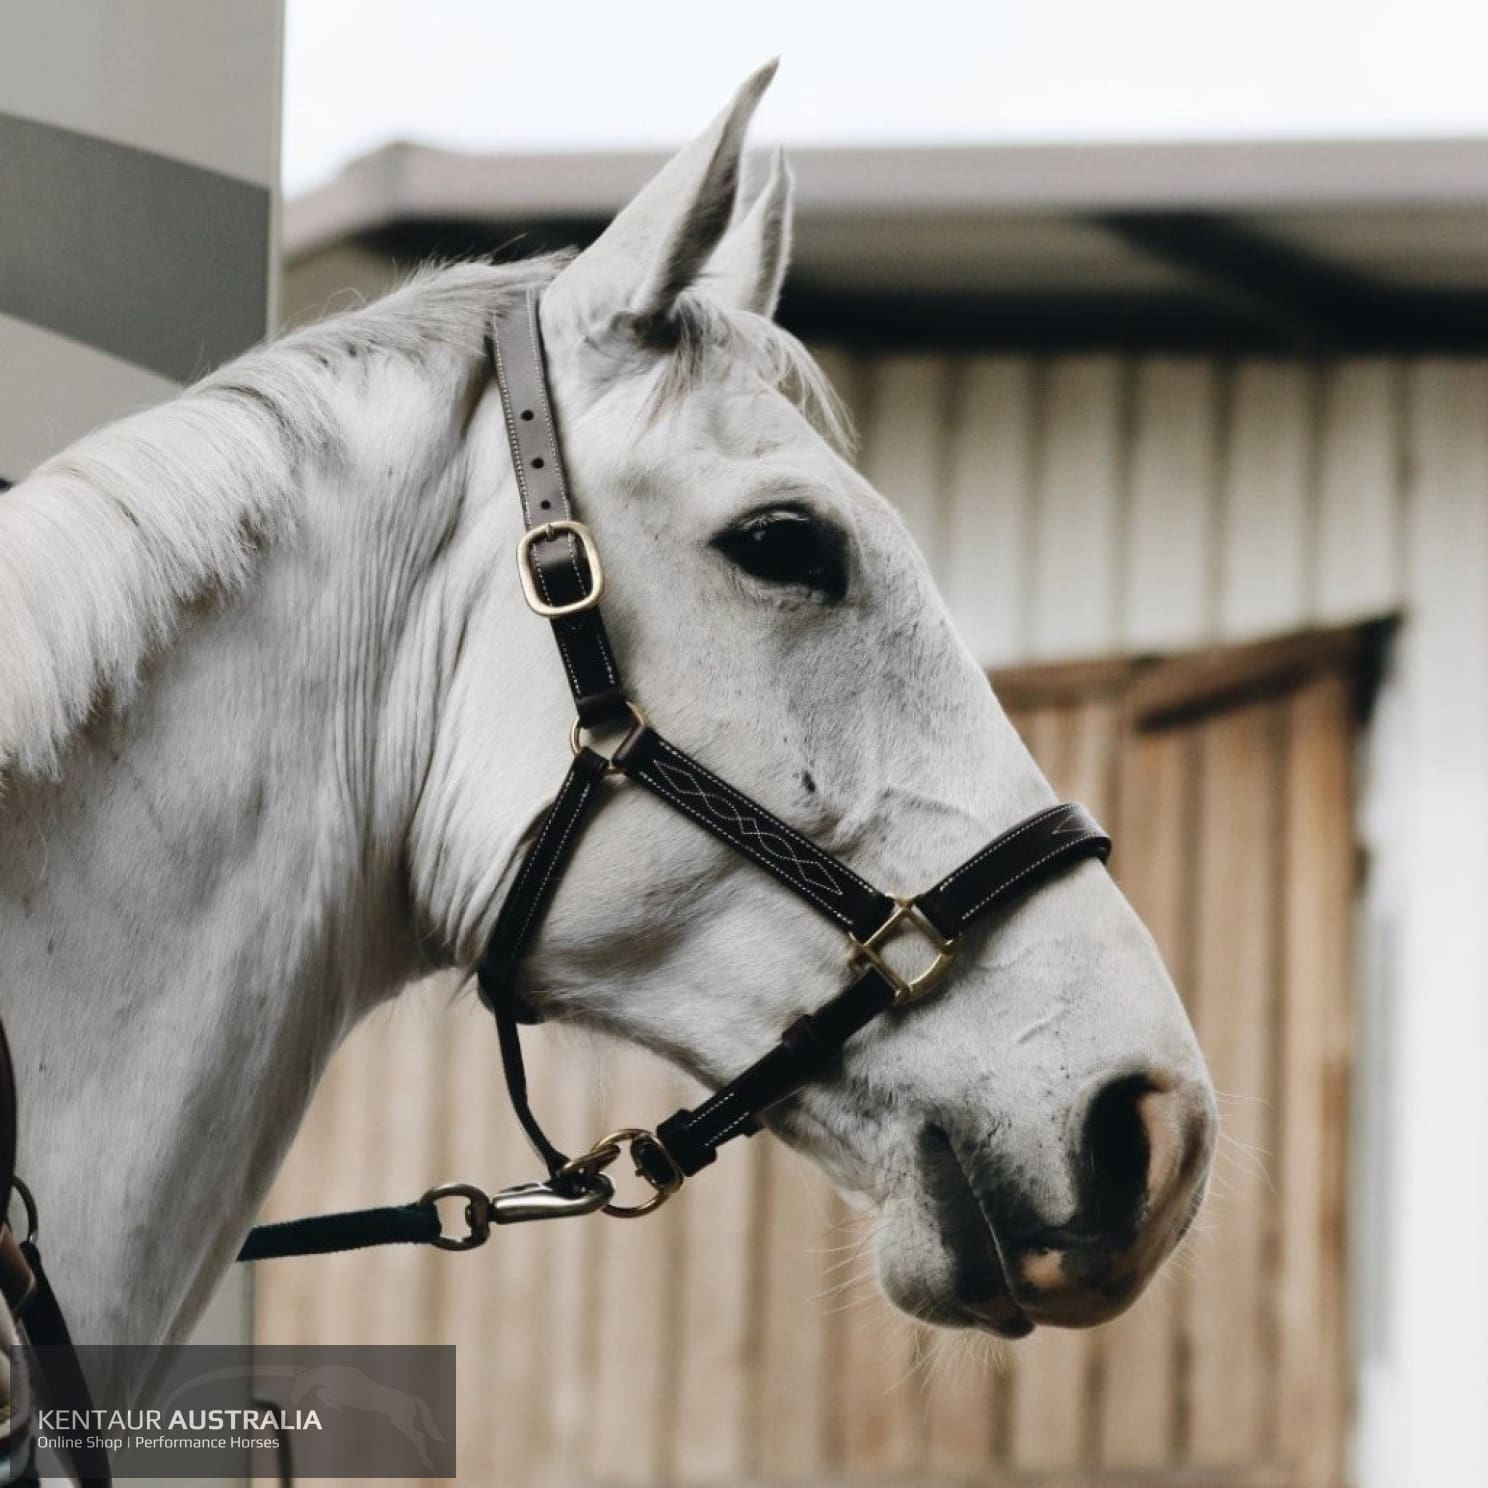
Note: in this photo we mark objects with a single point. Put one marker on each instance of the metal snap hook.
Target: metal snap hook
(477, 1215)
(526, 1202)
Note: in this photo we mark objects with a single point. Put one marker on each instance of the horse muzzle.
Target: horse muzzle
(1139, 1161)
(1142, 1166)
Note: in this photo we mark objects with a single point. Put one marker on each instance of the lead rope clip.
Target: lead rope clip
(521, 1204)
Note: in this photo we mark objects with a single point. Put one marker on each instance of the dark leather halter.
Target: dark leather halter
(563, 580)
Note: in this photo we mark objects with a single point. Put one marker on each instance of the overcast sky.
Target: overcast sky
(590, 74)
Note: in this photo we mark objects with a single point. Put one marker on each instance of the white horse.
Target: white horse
(275, 724)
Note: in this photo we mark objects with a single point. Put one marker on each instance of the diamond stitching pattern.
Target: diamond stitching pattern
(771, 843)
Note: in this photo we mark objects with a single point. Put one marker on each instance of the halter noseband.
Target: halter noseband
(563, 581)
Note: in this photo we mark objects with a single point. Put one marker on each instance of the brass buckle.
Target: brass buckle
(546, 533)
(906, 989)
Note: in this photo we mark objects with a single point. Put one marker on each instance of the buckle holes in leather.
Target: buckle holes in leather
(537, 463)
(526, 415)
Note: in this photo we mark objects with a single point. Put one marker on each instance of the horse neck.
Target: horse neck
(194, 913)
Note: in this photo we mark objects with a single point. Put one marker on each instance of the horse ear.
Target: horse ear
(660, 242)
(748, 267)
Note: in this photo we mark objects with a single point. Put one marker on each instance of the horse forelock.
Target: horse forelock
(702, 335)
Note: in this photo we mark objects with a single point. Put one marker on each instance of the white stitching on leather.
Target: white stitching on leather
(555, 460)
(586, 785)
(519, 468)
(663, 790)
(1002, 842)
(728, 1131)
(568, 666)
(550, 427)
(724, 810)
(532, 858)
(728, 792)
(714, 1104)
(550, 439)
(511, 428)
(1007, 883)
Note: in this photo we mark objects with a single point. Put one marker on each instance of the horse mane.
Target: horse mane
(108, 546)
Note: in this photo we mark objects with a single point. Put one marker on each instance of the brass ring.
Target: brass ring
(631, 1137)
(594, 1161)
(576, 742)
(605, 1151)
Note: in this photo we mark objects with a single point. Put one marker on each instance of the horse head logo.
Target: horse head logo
(340, 1387)
(335, 1387)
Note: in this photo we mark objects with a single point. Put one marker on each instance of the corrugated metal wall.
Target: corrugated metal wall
(1080, 506)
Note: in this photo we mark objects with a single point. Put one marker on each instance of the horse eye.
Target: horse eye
(782, 546)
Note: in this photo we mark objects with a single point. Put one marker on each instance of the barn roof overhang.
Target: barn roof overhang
(1314, 246)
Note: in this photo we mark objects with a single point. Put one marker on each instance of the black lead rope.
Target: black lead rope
(419, 1223)
(563, 579)
(323, 1234)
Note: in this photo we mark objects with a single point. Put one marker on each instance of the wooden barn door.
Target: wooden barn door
(1226, 779)
(738, 1336)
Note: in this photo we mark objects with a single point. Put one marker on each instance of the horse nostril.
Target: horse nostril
(1143, 1150)
(1116, 1152)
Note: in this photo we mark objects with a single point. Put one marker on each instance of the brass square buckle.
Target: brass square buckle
(906, 912)
(546, 533)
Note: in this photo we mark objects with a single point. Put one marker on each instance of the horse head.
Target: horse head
(1036, 1137)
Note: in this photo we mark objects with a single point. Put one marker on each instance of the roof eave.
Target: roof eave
(403, 181)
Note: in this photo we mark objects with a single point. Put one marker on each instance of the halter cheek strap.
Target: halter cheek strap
(563, 579)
